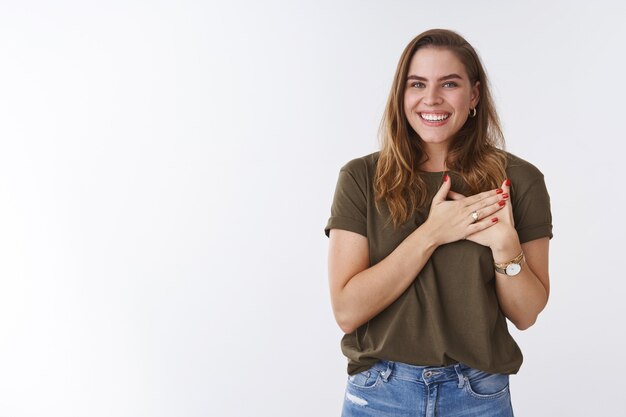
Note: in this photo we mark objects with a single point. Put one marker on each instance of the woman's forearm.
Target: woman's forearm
(523, 296)
(373, 289)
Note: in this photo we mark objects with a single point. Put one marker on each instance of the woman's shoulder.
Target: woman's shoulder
(363, 165)
(520, 170)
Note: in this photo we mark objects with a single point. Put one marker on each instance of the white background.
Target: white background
(167, 168)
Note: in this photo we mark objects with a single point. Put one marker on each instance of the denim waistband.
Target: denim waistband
(425, 374)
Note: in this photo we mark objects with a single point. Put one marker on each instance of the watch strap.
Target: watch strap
(501, 267)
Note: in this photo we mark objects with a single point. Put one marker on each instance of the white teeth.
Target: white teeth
(434, 117)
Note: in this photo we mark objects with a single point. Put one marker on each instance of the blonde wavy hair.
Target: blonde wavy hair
(476, 152)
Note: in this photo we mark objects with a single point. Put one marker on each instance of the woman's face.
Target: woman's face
(438, 95)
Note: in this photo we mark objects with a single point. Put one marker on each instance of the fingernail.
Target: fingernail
(445, 178)
(499, 191)
(495, 219)
(505, 196)
(508, 182)
(502, 203)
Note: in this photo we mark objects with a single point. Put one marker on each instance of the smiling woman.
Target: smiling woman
(438, 98)
(435, 241)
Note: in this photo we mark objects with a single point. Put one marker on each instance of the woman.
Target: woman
(434, 241)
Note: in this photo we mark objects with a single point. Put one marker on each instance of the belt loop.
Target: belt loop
(457, 368)
(387, 372)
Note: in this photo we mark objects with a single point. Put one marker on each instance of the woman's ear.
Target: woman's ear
(475, 97)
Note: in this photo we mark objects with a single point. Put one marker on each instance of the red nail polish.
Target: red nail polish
(505, 196)
(501, 203)
(445, 178)
(508, 182)
(499, 191)
(495, 219)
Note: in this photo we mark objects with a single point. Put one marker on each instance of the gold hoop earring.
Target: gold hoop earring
(472, 112)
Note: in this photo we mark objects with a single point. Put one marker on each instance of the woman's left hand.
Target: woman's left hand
(500, 233)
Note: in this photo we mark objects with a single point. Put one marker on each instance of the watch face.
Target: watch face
(513, 269)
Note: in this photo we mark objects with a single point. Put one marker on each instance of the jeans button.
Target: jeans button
(427, 374)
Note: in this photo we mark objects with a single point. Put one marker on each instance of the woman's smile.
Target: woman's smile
(434, 118)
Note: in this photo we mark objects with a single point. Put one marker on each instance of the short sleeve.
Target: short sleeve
(531, 211)
(349, 206)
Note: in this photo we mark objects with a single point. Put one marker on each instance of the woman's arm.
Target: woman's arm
(523, 296)
(359, 292)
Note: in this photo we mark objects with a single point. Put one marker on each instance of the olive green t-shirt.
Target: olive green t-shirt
(450, 313)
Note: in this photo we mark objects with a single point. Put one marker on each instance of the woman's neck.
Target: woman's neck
(436, 160)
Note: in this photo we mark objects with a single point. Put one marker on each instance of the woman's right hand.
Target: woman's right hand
(451, 220)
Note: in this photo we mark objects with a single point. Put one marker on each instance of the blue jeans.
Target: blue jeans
(397, 389)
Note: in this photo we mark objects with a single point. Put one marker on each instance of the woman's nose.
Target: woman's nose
(431, 96)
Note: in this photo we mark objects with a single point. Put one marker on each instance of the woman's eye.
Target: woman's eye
(417, 85)
(450, 84)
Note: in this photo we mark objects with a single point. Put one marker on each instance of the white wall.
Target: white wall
(167, 168)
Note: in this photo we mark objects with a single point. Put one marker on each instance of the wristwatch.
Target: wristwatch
(511, 268)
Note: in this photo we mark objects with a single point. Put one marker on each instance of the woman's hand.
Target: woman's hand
(452, 220)
(502, 232)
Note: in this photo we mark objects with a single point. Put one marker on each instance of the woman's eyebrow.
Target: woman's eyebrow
(445, 77)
